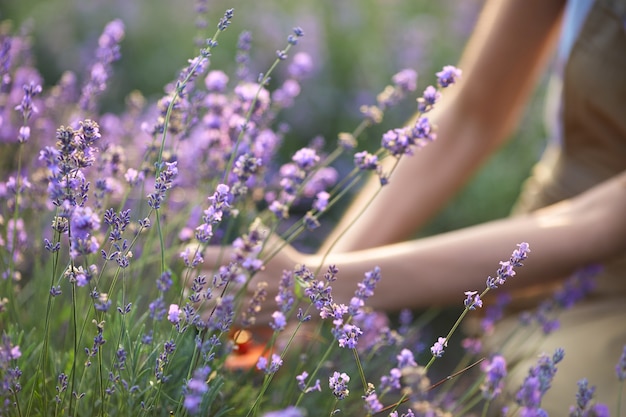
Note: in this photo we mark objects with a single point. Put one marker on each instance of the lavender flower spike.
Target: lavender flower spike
(448, 76)
(506, 269)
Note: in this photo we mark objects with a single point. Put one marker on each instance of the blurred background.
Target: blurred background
(356, 45)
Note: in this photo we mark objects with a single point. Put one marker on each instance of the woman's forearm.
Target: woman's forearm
(437, 270)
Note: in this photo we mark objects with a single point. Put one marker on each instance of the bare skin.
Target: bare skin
(504, 57)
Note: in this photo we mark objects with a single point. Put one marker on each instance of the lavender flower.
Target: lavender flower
(163, 183)
(397, 142)
(338, 383)
(248, 317)
(275, 363)
(448, 76)
(392, 380)
(537, 383)
(246, 249)
(366, 161)
(348, 335)
(472, 300)
(301, 66)
(195, 389)
(222, 317)
(506, 269)
(305, 158)
(27, 108)
(287, 412)
(495, 372)
(372, 403)
(279, 321)
(405, 80)
(304, 386)
(406, 359)
(225, 20)
(365, 289)
(108, 52)
(173, 315)
(220, 205)
(428, 100)
(438, 348)
(216, 81)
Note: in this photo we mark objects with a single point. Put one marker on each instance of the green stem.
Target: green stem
(360, 368)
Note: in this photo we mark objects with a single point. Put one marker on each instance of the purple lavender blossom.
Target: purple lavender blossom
(297, 34)
(438, 348)
(334, 311)
(506, 269)
(472, 346)
(108, 52)
(216, 81)
(495, 372)
(318, 291)
(422, 132)
(195, 389)
(287, 412)
(304, 385)
(391, 381)
(409, 413)
(366, 161)
(365, 289)
(448, 76)
(279, 321)
(348, 336)
(243, 55)
(397, 142)
(584, 394)
(222, 317)
(372, 403)
(338, 383)
(248, 317)
(163, 183)
(173, 314)
(305, 158)
(246, 249)
(577, 287)
(405, 80)
(225, 20)
(220, 205)
(538, 382)
(428, 100)
(301, 66)
(472, 300)
(274, 364)
(285, 95)
(27, 108)
(321, 201)
(406, 359)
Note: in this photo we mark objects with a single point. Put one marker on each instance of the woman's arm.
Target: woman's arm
(437, 270)
(501, 63)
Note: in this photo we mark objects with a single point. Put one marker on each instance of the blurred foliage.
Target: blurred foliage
(357, 45)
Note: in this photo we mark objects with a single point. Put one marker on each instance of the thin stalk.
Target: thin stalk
(360, 368)
(619, 399)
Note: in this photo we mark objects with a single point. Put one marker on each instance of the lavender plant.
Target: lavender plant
(105, 308)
